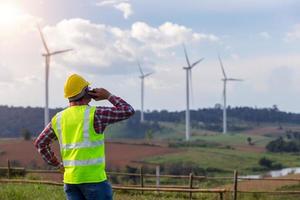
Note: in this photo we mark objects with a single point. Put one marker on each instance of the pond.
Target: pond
(276, 173)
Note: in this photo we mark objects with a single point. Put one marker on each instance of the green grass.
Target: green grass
(30, 191)
(225, 159)
(235, 139)
(45, 192)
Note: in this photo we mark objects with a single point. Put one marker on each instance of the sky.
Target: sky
(258, 41)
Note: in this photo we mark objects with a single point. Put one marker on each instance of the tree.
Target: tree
(218, 106)
(149, 136)
(275, 107)
(249, 140)
(265, 162)
(26, 134)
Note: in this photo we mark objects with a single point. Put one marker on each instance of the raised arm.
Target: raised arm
(104, 116)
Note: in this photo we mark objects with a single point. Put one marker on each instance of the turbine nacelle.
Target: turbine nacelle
(141, 71)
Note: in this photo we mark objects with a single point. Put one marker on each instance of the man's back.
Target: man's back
(80, 132)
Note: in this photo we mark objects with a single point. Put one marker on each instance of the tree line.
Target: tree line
(13, 120)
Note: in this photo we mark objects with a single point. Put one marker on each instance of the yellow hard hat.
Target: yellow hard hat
(74, 85)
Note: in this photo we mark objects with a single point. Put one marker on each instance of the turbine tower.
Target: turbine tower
(142, 77)
(47, 56)
(225, 79)
(188, 84)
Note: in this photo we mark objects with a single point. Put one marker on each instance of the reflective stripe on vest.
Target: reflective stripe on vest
(82, 145)
(58, 125)
(83, 162)
(86, 140)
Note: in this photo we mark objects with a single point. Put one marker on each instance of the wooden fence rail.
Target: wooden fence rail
(128, 188)
(190, 188)
(187, 177)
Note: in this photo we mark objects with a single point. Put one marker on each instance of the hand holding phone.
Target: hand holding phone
(99, 94)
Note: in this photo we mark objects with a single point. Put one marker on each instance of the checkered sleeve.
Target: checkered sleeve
(108, 115)
(42, 143)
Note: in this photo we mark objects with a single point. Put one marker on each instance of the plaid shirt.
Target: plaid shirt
(103, 117)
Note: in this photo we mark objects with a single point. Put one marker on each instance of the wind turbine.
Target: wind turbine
(142, 77)
(188, 83)
(47, 56)
(225, 79)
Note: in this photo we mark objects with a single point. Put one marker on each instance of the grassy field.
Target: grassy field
(44, 192)
(235, 139)
(226, 159)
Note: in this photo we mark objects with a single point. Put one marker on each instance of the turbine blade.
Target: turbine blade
(43, 39)
(140, 68)
(223, 70)
(234, 79)
(148, 74)
(61, 51)
(186, 56)
(194, 64)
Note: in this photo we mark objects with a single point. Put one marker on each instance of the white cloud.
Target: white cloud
(106, 56)
(122, 5)
(167, 35)
(294, 34)
(125, 8)
(265, 35)
(112, 50)
(109, 2)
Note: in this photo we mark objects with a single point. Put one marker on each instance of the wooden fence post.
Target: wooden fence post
(157, 176)
(235, 185)
(142, 178)
(221, 195)
(191, 185)
(8, 169)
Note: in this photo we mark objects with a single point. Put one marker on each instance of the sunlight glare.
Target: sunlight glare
(9, 14)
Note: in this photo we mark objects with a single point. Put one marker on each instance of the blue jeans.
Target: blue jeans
(89, 191)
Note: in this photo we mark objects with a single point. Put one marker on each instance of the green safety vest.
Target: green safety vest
(82, 149)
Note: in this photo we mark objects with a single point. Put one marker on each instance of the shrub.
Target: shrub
(183, 168)
(280, 145)
(269, 164)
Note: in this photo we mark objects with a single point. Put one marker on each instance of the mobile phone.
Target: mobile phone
(89, 95)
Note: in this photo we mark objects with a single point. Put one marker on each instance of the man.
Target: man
(79, 131)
